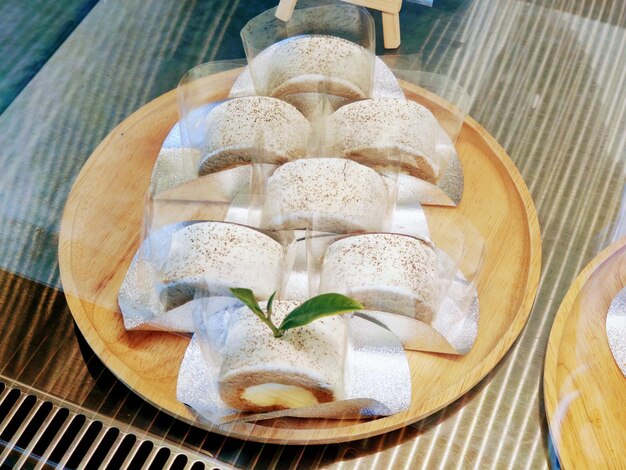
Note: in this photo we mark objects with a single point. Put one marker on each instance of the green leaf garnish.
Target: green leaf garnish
(248, 298)
(320, 306)
(270, 302)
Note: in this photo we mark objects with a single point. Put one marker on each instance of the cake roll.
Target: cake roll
(385, 85)
(320, 63)
(262, 373)
(328, 194)
(215, 256)
(374, 131)
(385, 272)
(254, 128)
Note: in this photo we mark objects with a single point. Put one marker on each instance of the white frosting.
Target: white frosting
(374, 130)
(253, 128)
(329, 194)
(315, 351)
(386, 272)
(217, 256)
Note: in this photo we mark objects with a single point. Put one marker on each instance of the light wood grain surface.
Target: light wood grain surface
(584, 389)
(101, 230)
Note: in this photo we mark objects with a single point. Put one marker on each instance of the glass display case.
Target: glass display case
(531, 100)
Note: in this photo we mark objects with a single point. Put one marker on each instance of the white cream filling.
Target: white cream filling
(273, 394)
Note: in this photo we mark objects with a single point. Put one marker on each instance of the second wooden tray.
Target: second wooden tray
(584, 389)
(101, 229)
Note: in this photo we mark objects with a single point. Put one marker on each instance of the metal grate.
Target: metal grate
(36, 433)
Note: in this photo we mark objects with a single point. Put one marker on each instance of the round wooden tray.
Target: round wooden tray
(100, 233)
(584, 389)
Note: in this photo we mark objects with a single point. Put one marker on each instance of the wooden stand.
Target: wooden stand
(101, 231)
(390, 10)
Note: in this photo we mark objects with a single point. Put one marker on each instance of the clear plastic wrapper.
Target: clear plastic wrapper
(387, 272)
(139, 298)
(181, 151)
(446, 99)
(327, 47)
(449, 103)
(330, 194)
(385, 85)
(198, 245)
(421, 287)
(235, 369)
(367, 130)
(335, 194)
(215, 256)
(215, 135)
(195, 101)
(296, 284)
(240, 130)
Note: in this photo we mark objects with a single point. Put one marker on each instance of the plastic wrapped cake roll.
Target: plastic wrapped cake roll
(385, 272)
(216, 256)
(367, 130)
(262, 373)
(241, 130)
(333, 194)
(319, 63)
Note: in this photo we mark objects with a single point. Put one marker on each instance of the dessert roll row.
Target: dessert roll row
(386, 272)
(264, 129)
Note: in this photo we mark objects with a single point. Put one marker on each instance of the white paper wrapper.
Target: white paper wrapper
(616, 329)
(377, 380)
